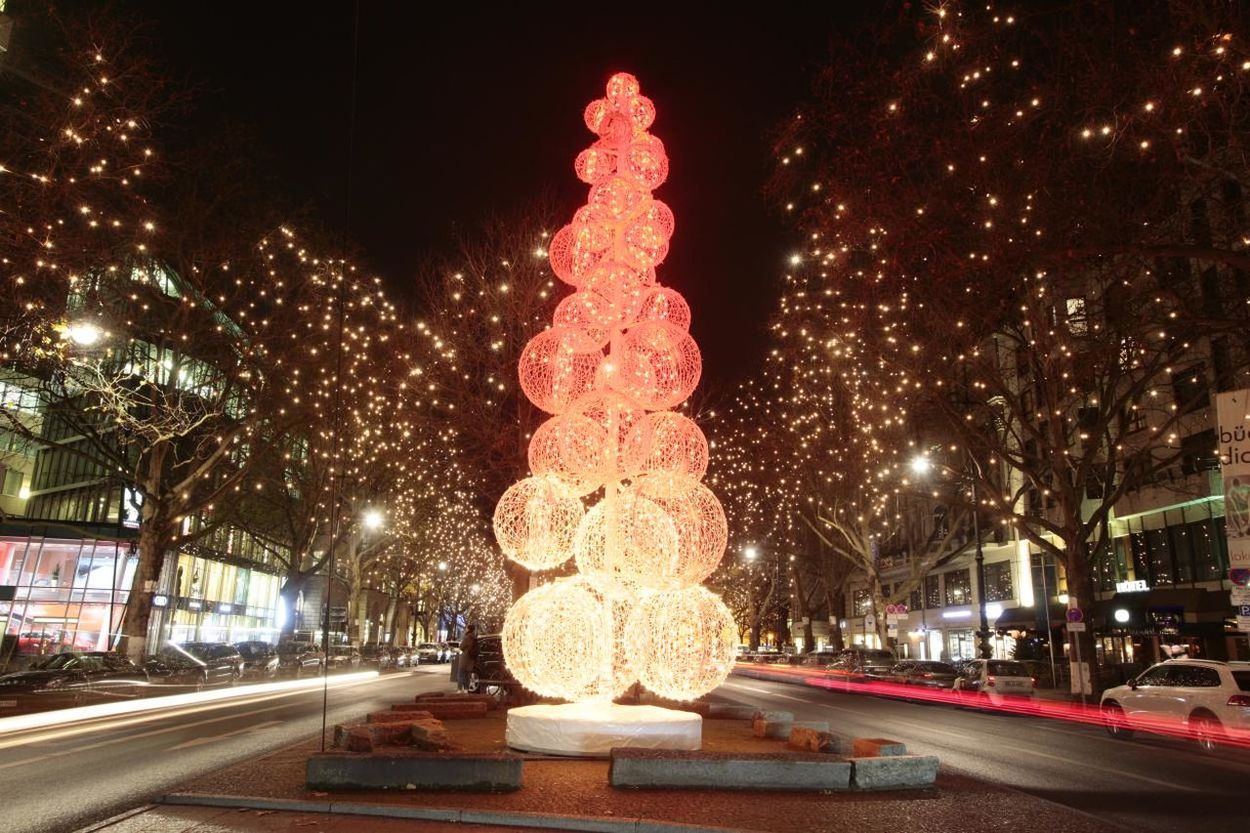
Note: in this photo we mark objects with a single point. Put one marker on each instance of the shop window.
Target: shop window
(998, 585)
(932, 592)
(958, 588)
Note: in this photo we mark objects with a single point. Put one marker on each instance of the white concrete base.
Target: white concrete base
(593, 729)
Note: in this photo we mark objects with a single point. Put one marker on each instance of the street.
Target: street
(1145, 783)
(52, 780)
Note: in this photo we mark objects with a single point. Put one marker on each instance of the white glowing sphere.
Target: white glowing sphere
(698, 517)
(574, 449)
(627, 540)
(665, 442)
(682, 642)
(535, 522)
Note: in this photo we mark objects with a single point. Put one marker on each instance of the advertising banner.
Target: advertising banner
(1233, 431)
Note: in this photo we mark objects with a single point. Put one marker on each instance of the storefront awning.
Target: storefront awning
(1026, 618)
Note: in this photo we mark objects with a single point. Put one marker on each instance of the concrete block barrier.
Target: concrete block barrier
(894, 772)
(772, 728)
(412, 770)
(813, 740)
(726, 711)
(877, 748)
(672, 769)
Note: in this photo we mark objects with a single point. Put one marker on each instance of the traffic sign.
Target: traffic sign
(1243, 624)
(1237, 596)
(1243, 611)
(1075, 615)
(1240, 576)
(1076, 627)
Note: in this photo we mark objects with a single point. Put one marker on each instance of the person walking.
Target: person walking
(468, 656)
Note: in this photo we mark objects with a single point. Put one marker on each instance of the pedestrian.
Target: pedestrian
(468, 656)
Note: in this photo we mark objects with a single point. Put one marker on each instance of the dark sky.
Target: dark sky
(470, 111)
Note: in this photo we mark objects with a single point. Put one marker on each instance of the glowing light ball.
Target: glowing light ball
(628, 540)
(659, 365)
(555, 369)
(559, 641)
(682, 642)
(570, 448)
(536, 521)
(698, 517)
(620, 348)
(665, 442)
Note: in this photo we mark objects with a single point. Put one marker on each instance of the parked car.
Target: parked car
(448, 650)
(923, 672)
(299, 659)
(490, 674)
(427, 652)
(71, 679)
(996, 679)
(381, 657)
(819, 658)
(403, 656)
(260, 660)
(196, 665)
(860, 665)
(1208, 700)
(343, 658)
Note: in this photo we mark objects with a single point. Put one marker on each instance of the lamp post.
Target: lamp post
(922, 465)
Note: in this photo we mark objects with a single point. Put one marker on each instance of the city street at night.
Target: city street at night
(65, 777)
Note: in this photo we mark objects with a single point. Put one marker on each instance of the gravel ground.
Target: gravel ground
(580, 787)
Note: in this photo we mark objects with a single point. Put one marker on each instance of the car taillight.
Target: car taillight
(989, 681)
(926, 676)
(1242, 700)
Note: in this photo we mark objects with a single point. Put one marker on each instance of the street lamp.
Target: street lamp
(921, 465)
(84, 333)
(750, 553)
(373, 519)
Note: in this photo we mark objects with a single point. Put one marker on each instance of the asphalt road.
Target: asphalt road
(1147, 783)
(53, 782)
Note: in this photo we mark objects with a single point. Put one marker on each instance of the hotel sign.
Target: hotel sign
(1138, 586)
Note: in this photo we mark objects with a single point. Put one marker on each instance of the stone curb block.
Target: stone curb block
(582, 824)
(500, 772)
(723, 711)
(877, 748)
(104, 824)
(894, 772)
(796, 771)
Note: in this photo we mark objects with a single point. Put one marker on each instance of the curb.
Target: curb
(500, 818)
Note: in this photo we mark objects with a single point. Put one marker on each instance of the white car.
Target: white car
(1206, 700)
(996, 679)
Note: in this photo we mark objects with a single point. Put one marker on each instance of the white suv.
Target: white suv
(1206, 700)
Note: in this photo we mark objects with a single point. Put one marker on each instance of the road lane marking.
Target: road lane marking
(187, 744)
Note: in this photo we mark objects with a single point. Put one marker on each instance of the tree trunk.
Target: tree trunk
(138, 613)
(1081, 594)
(291, 587)
(388, 629)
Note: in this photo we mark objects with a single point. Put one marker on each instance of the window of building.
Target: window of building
(862, 602)
(1191, 390)
(916, 602)
(1159, 556)
(1078, 322)
(1198, 453)
(998, 586)
(932, 592)
(958, 588)
(12, 482)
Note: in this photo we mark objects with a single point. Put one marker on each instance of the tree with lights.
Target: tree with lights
(1030, 230)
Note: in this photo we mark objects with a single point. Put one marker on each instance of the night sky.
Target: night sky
(474, 111)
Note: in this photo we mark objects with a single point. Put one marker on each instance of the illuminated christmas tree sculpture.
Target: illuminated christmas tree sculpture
(615, 481)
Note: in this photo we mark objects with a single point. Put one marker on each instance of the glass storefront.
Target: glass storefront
(213, 601)
(60, 594)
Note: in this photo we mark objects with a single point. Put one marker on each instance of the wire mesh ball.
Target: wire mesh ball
(682, 642)
(698, 517)
(536, 521)
(627, 539)
(622, 284)
(659, 303)
(645, 162)
(558, 641)
(641, 112)
(573, 449)
(645, 244)
(595, 113)
(665, 442)
(594, 313)
(622, 87)
(594, 165)
(554, 372)
(560, 255)
(616, 200)
(616, 415)
(658, 365)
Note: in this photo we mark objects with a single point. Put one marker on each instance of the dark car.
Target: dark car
(490, 674)
(196, 665)
(381, 657)
(71, 679)
(923, 672)
(260, 660)
(299, 659)
(861, 665)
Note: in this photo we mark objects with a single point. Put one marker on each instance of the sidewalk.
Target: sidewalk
(161, 819)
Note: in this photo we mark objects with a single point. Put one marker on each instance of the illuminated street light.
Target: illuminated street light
(373, 519)
(84, 333)
(921, 465)
(442, 566)
(750, 553)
